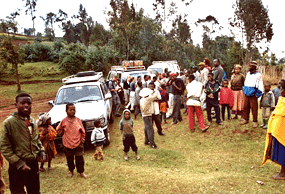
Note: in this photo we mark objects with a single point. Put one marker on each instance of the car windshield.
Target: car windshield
(159, 70)
(78, 94)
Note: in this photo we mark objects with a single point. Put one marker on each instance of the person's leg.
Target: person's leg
(176, 109)
(146, 140)
(17, 179)
(69, 153)
(79, 161)
(126, 95)
(164, 117)
(170, 103)
(229, 111)
(49, 164)
(149, 129)
(191, 119)
(217, 112)
(209, 107)
(33, 178)
(200, 116)
(100, 152)
(254, 107)
(133, 143)
(246, 109)
(223, 111)
(157, 122)
(118, 105)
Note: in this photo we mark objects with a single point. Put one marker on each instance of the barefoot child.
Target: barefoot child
(126, 127)
(48, 135)
(98, 139)
(275, 138)
(73, 137)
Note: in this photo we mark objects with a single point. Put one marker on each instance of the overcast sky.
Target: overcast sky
(220, 9)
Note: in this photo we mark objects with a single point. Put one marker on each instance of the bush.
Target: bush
(72, 59)
(38, 52)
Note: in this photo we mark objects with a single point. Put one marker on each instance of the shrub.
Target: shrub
(72, 59)
(38, 52)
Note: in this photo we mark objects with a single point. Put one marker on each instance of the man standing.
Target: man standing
(156, 112)
(126, 87)
(194, 91)
(145, 81)
(218, 71)
(203, 73)
(115, 97)
(253, 88)
(146, 107)
(196, 73)
(178, 89)
(21, 145)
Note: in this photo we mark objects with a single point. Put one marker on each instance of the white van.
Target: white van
(164, 67)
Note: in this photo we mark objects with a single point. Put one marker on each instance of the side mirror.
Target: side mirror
(51, 103)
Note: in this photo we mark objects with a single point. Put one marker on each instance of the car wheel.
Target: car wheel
(107, 135)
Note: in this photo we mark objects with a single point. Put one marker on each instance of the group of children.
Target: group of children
(73, 138)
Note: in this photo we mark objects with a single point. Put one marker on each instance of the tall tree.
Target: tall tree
(49, 21)
(253, 20)
(14, 55)
(31, 9)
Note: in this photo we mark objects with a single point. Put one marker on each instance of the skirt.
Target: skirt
(278, 152)
(238, 102)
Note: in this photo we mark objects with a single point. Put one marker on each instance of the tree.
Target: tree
(8, 26)
(253, 20)
(49, 21)
(14, 55)
(31, 9)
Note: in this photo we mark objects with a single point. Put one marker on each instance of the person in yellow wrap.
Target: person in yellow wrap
(275, 138)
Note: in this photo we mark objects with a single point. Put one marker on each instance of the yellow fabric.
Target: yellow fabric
(276, 128)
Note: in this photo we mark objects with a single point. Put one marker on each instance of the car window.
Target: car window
(78, 94)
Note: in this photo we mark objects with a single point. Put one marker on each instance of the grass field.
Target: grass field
(225, 159)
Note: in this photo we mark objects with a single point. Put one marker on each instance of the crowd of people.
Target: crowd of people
(25, 142)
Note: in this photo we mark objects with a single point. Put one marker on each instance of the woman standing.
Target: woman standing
(237, 83)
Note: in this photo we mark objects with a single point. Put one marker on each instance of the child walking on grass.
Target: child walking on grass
(126, 127)
(48, 135)
(275, 138)
(73, 137)
(267, 104)
(226, 99)
(98, 139)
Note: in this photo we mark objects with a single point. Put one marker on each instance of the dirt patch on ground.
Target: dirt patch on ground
(38, 107)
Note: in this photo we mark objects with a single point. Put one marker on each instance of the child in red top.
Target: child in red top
(73, 137)
(226, 99)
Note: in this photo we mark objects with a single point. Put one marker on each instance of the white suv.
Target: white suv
(92, 99)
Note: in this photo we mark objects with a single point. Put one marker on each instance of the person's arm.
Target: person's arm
(272, 101)
(59, 129)
(83, 134)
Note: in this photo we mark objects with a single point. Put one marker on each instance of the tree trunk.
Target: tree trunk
(17, 77)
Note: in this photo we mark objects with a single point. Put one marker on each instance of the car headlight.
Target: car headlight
(89, 124)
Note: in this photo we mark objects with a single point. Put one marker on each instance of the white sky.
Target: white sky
(220, 9)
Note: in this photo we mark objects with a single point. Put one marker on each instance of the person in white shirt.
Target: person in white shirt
(156, 112)
(196, 73)
(203, 79)
(194, 91)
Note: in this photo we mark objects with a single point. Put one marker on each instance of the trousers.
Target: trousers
(191, 116)
(250, 103)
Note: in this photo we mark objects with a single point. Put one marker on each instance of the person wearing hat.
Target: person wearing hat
(203, 73)
(253, 89)
(196, 73)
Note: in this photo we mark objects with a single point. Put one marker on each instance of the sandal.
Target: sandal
(126, 158)
(138, 158)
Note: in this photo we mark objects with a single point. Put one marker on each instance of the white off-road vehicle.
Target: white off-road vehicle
(92, 99)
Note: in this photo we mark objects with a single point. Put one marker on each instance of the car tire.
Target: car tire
(107, 135)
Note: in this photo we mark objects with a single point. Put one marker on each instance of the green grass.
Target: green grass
(223, 160)
(38, 71)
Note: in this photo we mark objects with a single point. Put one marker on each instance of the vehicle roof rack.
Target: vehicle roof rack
(85, 76)
(120, 68)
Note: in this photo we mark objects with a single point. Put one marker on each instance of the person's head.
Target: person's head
(44, 119)
(207, 62)
(187, 73)
(173, 76)
(282, 88)
(210, 76)
(237, 69)
(216, 62)
(24, 104)
(191, 78)
(194, 69)
(267, 86)
(154, 78)
(129, 78)
(119, 81)
(139, 78)
(133, 79)
(139, 83)
(127, 114)
(156, 74)
(201, 65)
(163, 75)
(252, 66)
(279, 84)
(97, 123)
(70, 110)
(177, 74)
(181, 73)
(115, 78)
(151, 85)
(226, 83)
(145, 77)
